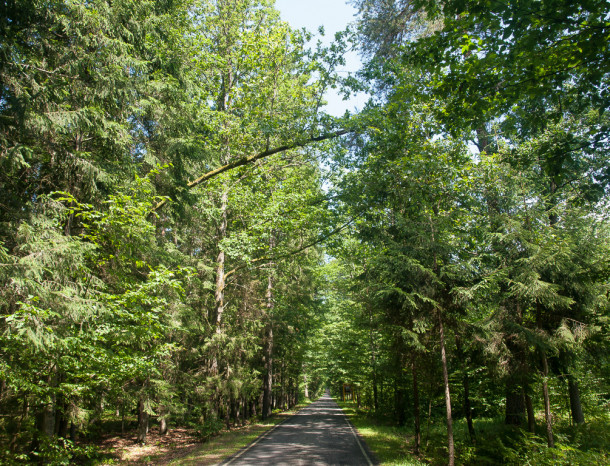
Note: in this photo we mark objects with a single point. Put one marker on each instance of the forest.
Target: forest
(189, 239)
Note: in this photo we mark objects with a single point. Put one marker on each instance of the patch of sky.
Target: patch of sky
(334, 16)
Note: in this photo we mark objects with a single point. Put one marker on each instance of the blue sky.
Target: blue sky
(334, 15)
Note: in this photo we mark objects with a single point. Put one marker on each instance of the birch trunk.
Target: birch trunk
(450, 442)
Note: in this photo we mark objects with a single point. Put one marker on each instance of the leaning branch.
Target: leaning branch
(253, 158)
(291, 253)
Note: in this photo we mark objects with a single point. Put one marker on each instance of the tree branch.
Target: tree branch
(253, 158)
(291, 253)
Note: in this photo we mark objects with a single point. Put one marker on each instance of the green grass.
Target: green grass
(391, 445)
(497, 443)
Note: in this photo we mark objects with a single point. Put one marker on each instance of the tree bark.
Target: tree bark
(578, 416)
(450, 442)
(73, 432)
(468, 409)
(163, 417)
(47, 419)
(399, 402)
(429, 419)
(531, 419)
(416, 417)
(62, 425)
(466, 386)
(515, 406)
(220, 260)
(373, 361)
(282, 402)
(24, 414)
(547, 403)
(243, 408)
(142, 422)
(227, 414)
(163, 426)
(219, 292)
(47, 414)
(268, 374)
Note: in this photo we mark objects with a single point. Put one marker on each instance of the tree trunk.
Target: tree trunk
(468, 409)
(400, 406)
(243, 406)
(62, 424)
(47, 419)
(24, 414)
(219, 292)
(375, 394)
(578, 416)
(227, 414)
(547, 403)
(282, 401)
(306, 388)
(373, 361)
(142, 422)
(220, 260)
(163, 417)
(268, 374)
(122, 417)
(416, 407)
(515, 406)
(531, 419)
(450, 443)
(268, 400)
(163, 426)
(466, 386)
(236, 408)
(429, 419)
(73, 432)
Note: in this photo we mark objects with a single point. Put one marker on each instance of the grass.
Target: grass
(230, 442)
(497, 443)
(390, 444)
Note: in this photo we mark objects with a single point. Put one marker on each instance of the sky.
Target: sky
(334, 15)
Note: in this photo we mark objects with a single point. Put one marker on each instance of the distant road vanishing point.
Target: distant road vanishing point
(317, 435)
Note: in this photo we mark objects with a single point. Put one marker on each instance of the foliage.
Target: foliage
(182, 239)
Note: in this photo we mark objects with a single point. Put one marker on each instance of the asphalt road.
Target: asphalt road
(317, 435)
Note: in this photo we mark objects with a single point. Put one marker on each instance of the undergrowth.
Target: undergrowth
(496, 443)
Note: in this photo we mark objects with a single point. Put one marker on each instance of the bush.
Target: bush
(209, 429)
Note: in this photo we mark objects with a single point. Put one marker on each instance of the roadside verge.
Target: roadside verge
(229, 443)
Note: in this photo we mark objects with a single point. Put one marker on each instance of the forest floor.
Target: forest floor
(160, 449)
(181, 446)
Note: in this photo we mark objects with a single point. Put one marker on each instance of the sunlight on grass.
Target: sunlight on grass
(497, 443)
(389, 444)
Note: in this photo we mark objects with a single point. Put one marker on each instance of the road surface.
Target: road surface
(317, 435)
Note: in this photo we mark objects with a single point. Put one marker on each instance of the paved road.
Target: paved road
(317, 435)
